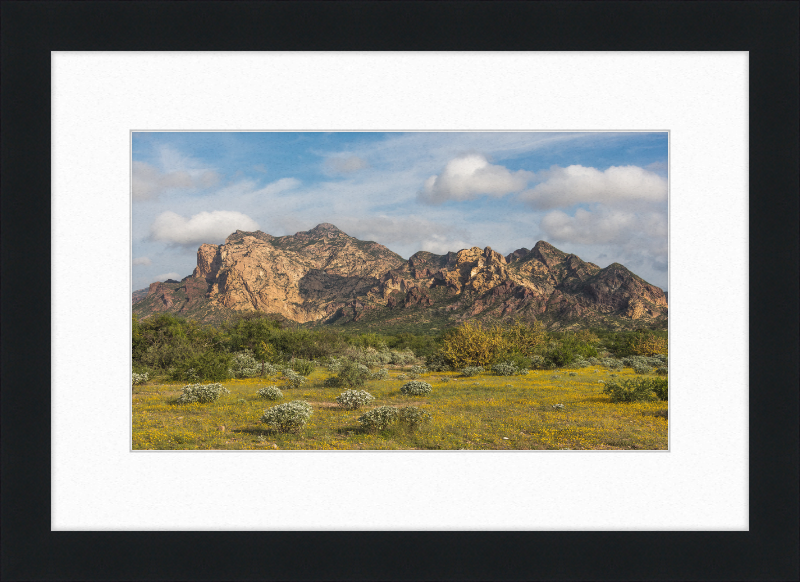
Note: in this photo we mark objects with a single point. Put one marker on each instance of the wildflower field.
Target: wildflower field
(563, 409)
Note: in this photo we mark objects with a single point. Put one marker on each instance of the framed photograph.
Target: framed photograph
(713, 498)
(397, 291)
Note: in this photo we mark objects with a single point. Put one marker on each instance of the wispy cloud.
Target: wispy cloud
(150, 182)
(205, 227)
(142, 261)
(345, 164)
(164, 276)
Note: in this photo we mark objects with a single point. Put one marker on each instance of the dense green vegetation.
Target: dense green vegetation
(183, 350)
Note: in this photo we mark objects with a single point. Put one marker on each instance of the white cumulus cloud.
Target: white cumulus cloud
(469, 176)
(149, 182)
(565, 187)
(165, 276)
(142, 261)
(205, 227)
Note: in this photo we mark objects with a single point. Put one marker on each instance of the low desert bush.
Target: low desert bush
(379, 418)
(471, 371)
(288, 417)
(436, 363)
(351, 375)
(354, 399)
(301, 366)
(662, 370)
(137, 379)
(380, 374)
(416, 388)
(637, 389)
(244, 365)
(412, 417)
(660, 388)
(416, 371)
(270, 393)
(293, 379)
(202, 393)
(508, 369)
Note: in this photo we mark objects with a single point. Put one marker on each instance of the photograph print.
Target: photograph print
(399, 290)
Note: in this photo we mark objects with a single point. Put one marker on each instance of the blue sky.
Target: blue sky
(602, 196)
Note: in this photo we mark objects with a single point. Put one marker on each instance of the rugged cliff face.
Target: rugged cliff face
(296, 276)
(324, 276)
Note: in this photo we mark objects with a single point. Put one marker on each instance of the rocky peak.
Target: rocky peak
(517, 254)
(325, 229)
(548, 254)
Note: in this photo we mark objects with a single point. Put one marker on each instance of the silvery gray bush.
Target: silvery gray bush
(202, 393)
(137, 379)
(244, 365)
(471, 371)
(379, 418)
(508, 369)
(354, 399)
(402, 377)
(611, 363)
(537, 362)
(288, 417)
(270, 393)
(334, 365)
(416, 388)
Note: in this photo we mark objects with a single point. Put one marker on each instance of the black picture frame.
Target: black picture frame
(768, 30)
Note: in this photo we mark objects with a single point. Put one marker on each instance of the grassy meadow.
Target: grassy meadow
(483, 412)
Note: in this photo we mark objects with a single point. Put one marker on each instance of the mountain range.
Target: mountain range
(325, 277)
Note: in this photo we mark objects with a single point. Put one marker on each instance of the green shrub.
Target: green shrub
(289, 417)
(641, 368)
(636, 389)
(293, 379)
(516, 359)
(436, 363)
(416, 371)
(471, 371)
(270, 393)
(662, 370)
(416, 388)
(208, 366)
(379, 418)
(202, 393)
(352, 374)
(412, 417)
(381, 374)
(660, 388)
(301, 366)
(354, 399)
